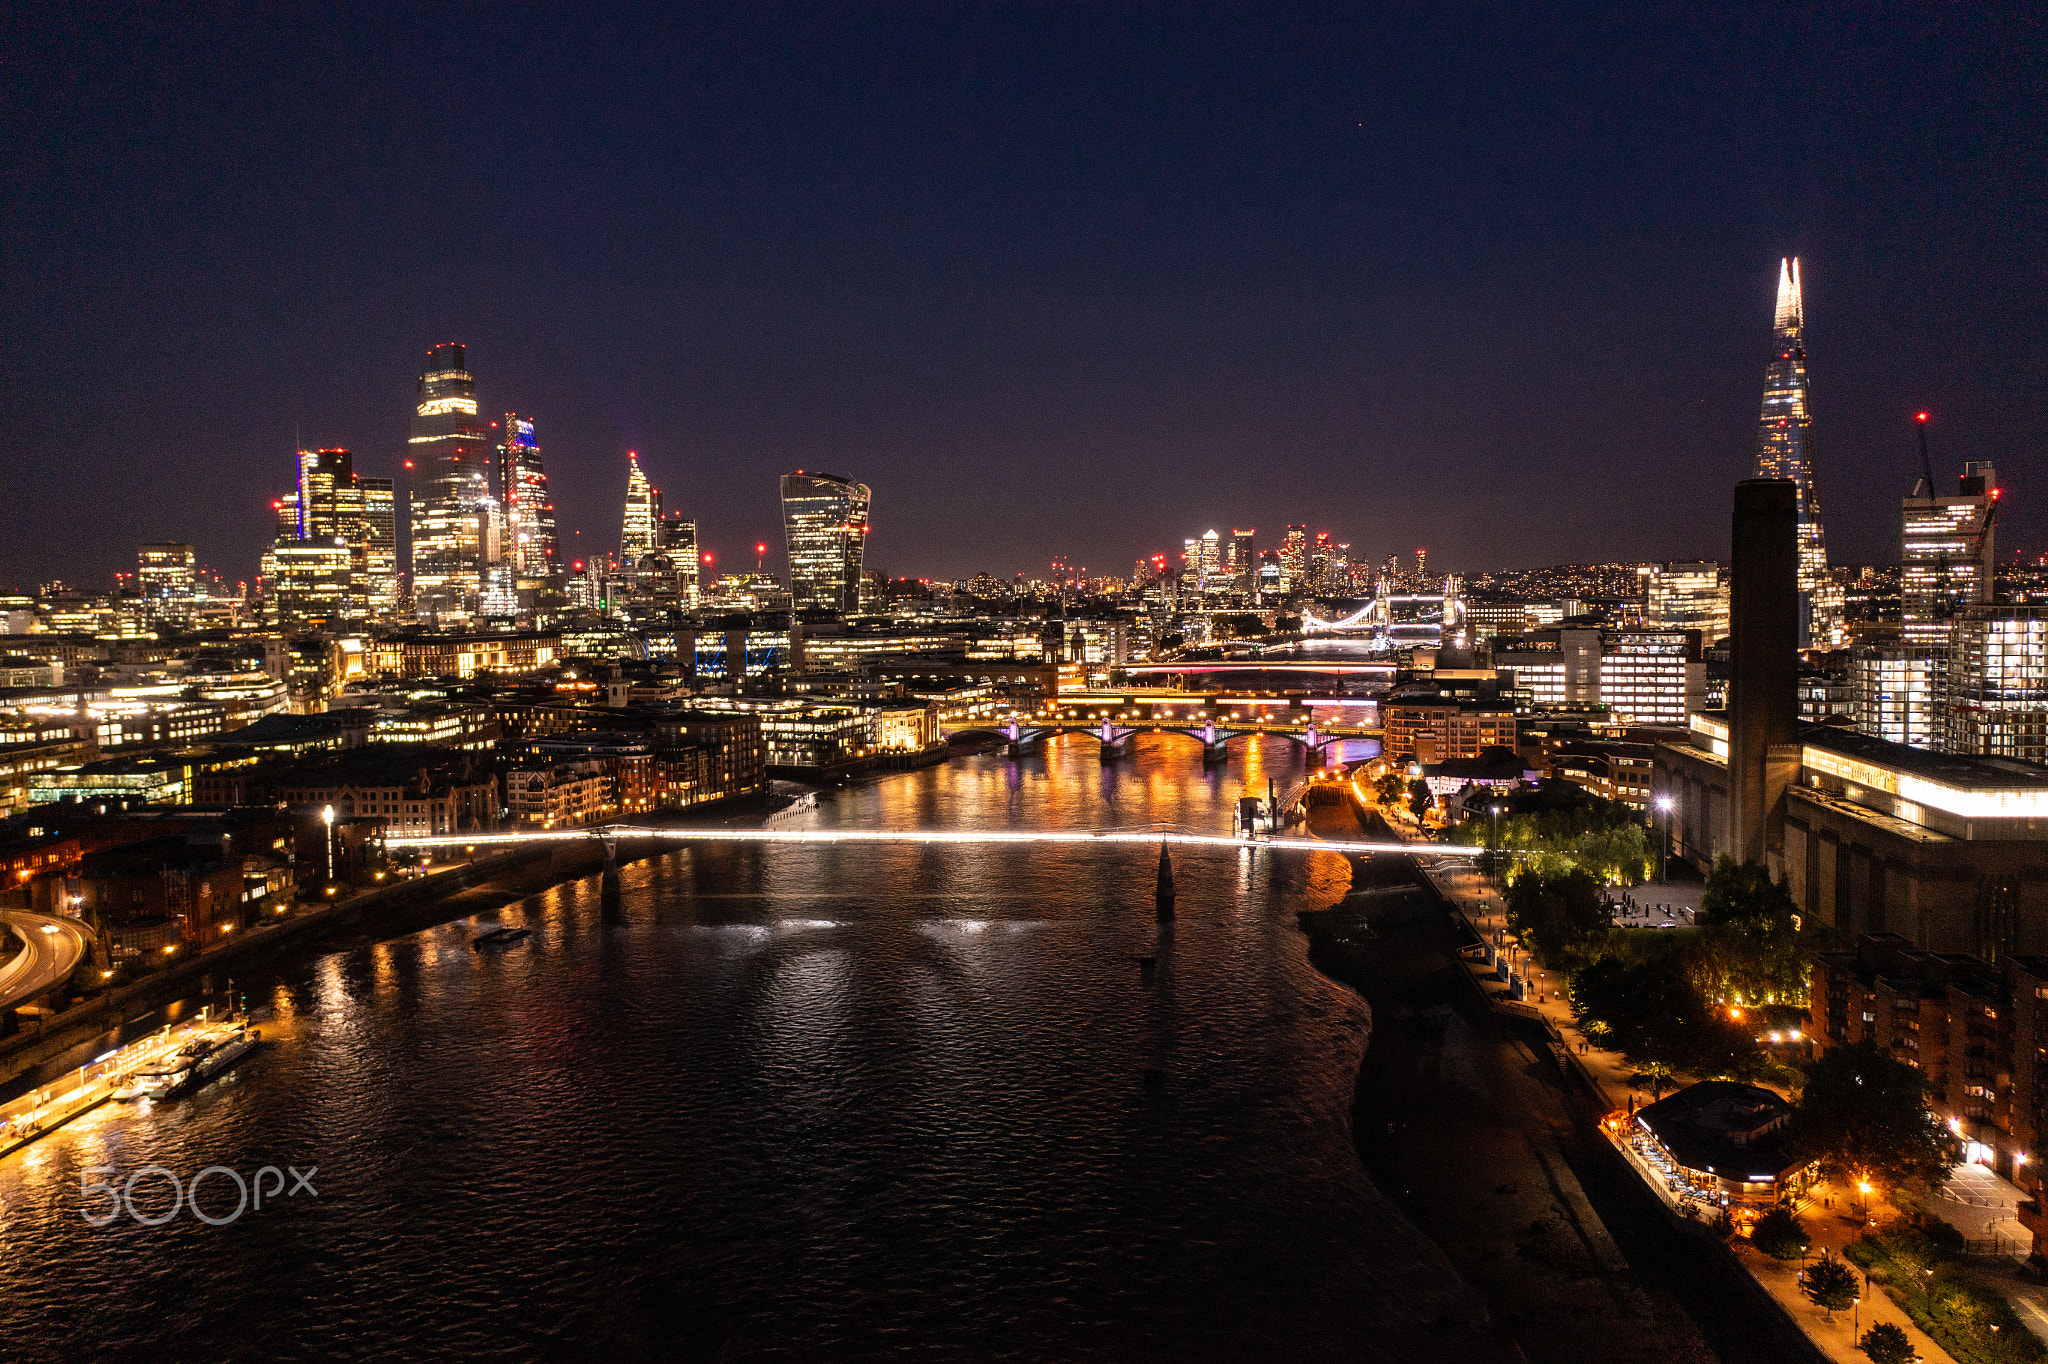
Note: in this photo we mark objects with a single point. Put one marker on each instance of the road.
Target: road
(54, 949)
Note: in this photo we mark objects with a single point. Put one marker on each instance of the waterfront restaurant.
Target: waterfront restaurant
(1722, 1140)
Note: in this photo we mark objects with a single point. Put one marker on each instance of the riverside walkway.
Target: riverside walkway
(1827, 1213)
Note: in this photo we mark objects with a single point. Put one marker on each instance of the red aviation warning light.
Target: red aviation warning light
(758, 549)
(707, 558)
(1920, 416)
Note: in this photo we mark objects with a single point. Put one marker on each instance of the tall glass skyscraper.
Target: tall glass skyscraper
(825, 524)
(452, 512)
(528, 509)
(331, 504)
(643, 510)
(1946, 555)
(1784, 449)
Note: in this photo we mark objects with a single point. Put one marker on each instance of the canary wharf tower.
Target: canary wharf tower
(452, 516)
(1784, 449)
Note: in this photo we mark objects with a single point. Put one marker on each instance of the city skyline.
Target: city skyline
(1325, 290)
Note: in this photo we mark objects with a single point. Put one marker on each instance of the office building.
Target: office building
(676, 537)
(1294, 559)
(1244, 561)
(825, 529)
(330, 503)
(1649, 677)
(312, 583)
(167, 576)
(636, 536)
(1994, 690)
(1945, 555)
(453, 515)
(528, 509)
(380, 547)
(1785, 451)
(1687, 596)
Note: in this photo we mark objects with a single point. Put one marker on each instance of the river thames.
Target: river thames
(817, 1101)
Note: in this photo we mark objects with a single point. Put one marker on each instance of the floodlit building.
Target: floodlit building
(825, 526)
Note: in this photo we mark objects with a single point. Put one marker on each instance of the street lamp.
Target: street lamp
(327, 815)
(1663, 838)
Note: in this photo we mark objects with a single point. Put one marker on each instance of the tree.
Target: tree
(1657, 1015)
(1831, 1284)
(1886, 1343)
(1562, 918)
(1864, 1116)
(1779, 1235)
(1419, 798)
(1743, 894)
(1389, 788)
(1755, 946)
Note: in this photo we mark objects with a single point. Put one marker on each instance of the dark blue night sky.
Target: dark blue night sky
(1054, 280)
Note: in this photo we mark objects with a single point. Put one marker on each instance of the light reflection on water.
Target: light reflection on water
(799, 1101)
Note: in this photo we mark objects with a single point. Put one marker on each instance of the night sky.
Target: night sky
(1053, 280)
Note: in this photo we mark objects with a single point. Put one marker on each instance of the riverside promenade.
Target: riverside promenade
(1613, 1082)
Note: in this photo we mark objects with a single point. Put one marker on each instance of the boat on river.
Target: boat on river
(194, 1064)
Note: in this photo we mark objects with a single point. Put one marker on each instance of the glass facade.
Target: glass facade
(1893, 694)
(1688, 596)
(1785, 450)
(528, 514)
(825, 525)
(1945, 553)
(452, 511)
(636, 536)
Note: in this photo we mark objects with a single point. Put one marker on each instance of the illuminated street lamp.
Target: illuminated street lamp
(1664, 837)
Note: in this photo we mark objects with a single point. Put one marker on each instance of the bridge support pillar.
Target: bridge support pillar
(1215, 753)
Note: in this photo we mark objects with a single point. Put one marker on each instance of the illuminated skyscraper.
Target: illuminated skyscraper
(825, 525)
(380, 546)
(167, 577)
(636, 538)
(1945, 553)
(452, 512)
(1294, 558)
(528, 513)
(331, 504)
(1244, 560)
(1785, 450)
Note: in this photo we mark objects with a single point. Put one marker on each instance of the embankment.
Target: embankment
(1467, 1124)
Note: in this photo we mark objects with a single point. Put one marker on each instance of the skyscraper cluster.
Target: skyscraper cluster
(335, 557)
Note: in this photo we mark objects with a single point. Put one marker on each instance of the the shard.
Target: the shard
(1784, 449)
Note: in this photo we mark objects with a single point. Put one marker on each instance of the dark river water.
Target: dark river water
(803, 1102)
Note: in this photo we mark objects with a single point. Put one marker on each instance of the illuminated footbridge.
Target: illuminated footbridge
(1148, 836)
